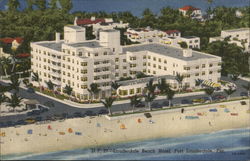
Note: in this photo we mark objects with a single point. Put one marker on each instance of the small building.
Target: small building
(192, 41)
(195, 13)
(14, 42)
(241, 37)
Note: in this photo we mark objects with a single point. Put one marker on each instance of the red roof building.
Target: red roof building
(172, 31)
(88, 21)
(9, 40)
(23, 55)
(189, 8)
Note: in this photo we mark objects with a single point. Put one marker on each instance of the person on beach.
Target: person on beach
(182, 110)
(209, 123)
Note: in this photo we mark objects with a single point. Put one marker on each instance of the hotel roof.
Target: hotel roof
(90, 44)
(51, 45)
(167, 51)
(75, 27)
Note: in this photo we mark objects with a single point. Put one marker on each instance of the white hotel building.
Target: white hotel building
(78, 63)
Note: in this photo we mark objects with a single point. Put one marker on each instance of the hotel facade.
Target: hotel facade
(78, 62)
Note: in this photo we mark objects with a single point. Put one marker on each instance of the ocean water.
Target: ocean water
(223, 145)
(137, 6)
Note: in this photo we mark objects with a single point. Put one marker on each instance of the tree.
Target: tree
(14, 101)
(229, 92)
(179, 78)
(13, 5)
(115, 86)
(247, 87)
(66, 5)
(3, 98)
(68, 90)
(14, 82)
(183, 45)
(53, 4)
(209, 92)
(29, 4)
(163, 86)
(5, 62)
(141, 75)
(108, 102)
(93, 90)
(134, 101)
(149, 98)
(170, 95)
(51, 86)
(35, 77)
(150, 86)
(41, 4)
(198, 82)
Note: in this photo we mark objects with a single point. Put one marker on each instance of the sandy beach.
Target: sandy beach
(95, 131)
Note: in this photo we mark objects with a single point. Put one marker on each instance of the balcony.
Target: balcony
(55, 74)
(102, 65)
(102, 80)
(102, 73)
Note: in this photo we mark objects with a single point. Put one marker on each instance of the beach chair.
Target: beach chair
(49, 127)
(122, 126)
(2, 134)
(62, 133)
(234, 114)
(139, 120)
(213, 110)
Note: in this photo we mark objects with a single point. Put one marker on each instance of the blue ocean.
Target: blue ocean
(223, 145)
(137, 6)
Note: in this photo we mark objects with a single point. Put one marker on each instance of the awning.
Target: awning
(211, 84)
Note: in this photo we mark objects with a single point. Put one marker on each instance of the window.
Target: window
(144, 64)
(84, 86)
(196, 74)
(219, 71)
(154, 58)
(105, 53)
(154, 72)
(149, 57)
(68, 74)
(159, 66)
(124, 74)
(197, 67)
(154, 65)
(124, 67)
(124, 60)
(210, 72)
(165, 61)
(210, 65)
(116, 74)
(116, 59)
(85, 71)
(165, 68)
(84, 79)
(203, 73)
(68, 59)
(148, 70)
(159, 59)
(131, 91)
(73, 53)
(219, 64)
(144, 71)
(149, 64)
(186, 68)
(138, 90)
(96, 54)
(203, 65)
(117, 67)
(80, 53)
(144, 57)
(84, 63)
(133, 58)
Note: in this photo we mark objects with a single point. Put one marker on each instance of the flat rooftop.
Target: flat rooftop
(238, 30)
(89, 44)
(189, 37)
(75, 27)
(167, 51)
(51, 45)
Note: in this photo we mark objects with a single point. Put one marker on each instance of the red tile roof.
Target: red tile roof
(9, 40)
(23, 55)
(187, 8)
(88, 21)
(172, 31)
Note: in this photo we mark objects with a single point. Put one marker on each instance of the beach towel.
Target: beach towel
(234, 114)
(70, 130)
(226, 110)
(122, 126)
(78, 133)
(62, 133)
(29, 131)
(2, 134)
(150, 121)
(192, 117)
(213, 110)
(222, 106)
(98, 125)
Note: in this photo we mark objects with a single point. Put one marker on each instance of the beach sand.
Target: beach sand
(99, 130)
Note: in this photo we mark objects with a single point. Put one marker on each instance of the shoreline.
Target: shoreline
(166, 125)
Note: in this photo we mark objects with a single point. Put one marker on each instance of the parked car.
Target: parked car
(89, 113)
(198, 100)
(166, 103)
(140, 105)
(243, 94)
(42, 108)
(218, 97)
(156, 105)
(186, 101)
(30, 120)
(30, 90)
(103, 112)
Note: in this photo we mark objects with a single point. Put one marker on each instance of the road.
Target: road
(60, 108)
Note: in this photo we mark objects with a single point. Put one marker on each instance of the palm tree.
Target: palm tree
(68, 90)
(247, 87)
(163, 86)
(209, 92)
(198, 82)
(179, 78)
(51, 86)
(150, 86)
(35, 77)
(14, 84)
(108, 102)
(93, 90)
(149, 97)
(134, 101)
(115, 86)
(14, 101)
(170, 95)
(3, 98)
(5, 64)
(229, 92)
